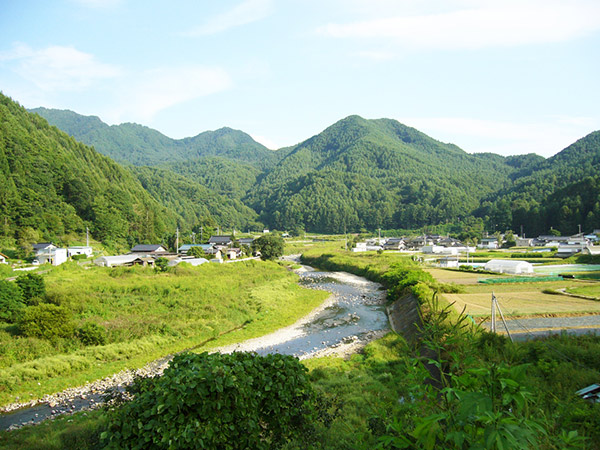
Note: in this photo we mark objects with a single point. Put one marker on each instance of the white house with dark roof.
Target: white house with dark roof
(123, 260)
(220, 240)
(43, 247)
(148, 249)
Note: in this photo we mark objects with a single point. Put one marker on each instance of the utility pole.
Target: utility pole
(193, 237)
(201, 234)
(177, 240)
(87, 237)
(495, 306)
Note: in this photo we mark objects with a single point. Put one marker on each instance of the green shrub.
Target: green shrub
(90, 333)
(33, 287)
(46, 321)
(11, 301)
(79, 257)
(235, 401)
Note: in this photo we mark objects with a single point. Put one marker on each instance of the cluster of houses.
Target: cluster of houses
(218, 249)
(434, 244)
(565, 246)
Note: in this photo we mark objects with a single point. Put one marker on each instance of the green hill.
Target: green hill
(362, 173)
(130, 143)
(53, 185)
(555, 193)
(357, 174)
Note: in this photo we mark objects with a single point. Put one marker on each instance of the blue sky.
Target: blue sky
(509, 76)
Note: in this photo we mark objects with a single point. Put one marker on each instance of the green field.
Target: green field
(147, 315)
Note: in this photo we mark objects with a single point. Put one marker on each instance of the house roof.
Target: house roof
(219, 240)
(118, 259)
(186, 247)
(246, 241)
(148, 248)
(43, 245)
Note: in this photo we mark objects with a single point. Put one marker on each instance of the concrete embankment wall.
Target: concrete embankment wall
(404, 317)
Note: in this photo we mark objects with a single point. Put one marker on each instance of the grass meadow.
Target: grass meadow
(147, 315)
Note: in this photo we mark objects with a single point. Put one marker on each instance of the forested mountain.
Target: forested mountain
(560, 192)
(54, 185)
(130, 143)
(357, 174)
(193, 202)
(375, 173)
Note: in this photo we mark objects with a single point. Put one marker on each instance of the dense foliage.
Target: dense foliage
(356, 175)
(53, 185)
(131, 143)
(217, 402)
(270, 246)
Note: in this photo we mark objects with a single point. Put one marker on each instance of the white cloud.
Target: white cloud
(473, 25)
(57, 68)
(159, 89)
(244, 13)
(545, 138)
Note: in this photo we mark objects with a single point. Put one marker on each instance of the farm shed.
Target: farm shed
(122, 260)
(508, 266)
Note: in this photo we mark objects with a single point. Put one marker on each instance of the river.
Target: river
(353, 315)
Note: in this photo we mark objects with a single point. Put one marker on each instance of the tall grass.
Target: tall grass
(147, 315)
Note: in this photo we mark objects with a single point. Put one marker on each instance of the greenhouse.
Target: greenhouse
(508, 266)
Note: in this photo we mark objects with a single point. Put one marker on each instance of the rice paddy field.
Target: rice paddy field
(519, 299)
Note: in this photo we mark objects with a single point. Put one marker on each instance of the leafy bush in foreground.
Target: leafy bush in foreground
(47, 321)
(11, 300)
(236, 401)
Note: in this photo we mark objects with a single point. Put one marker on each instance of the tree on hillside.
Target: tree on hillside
(270, 246)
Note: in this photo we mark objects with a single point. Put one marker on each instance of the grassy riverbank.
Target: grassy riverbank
(147, 315)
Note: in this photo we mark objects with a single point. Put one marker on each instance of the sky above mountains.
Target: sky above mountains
(510, 77)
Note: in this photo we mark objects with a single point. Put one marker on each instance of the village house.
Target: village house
(43, 247)
(394, 244)
(124, 260)
(149, 249)
(51, 255)
(221, 240)
(448, 262)
(183, 250)
(79, 250)
(488, 243)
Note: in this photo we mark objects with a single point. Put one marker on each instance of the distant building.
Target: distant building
(508, 266)
(488, 243)
(192, 261)
(186, 247)
(448, 262)
(246, 241)
(394, 244)
(54, 256)
(43, 247)
(81, 250)
(220, 240)
(148, 249)
(124, 260)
